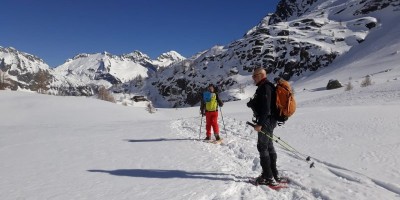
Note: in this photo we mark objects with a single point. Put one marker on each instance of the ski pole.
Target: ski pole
(286, 146)
(201, 124)
(226, 134)
(307, 157)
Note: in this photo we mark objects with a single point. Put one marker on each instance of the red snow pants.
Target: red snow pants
(212, 121)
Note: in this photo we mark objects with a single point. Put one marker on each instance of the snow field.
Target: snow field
(238, 155)
(82, 148)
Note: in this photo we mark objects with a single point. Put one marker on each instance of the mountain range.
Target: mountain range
(300, 38)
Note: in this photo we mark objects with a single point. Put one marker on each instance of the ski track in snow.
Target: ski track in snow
(238, 157)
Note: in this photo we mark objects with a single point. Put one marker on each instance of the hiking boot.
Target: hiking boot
(281, 179)
(271, 182)
(207, 138)
(266, 181)
(260, 180)
(217, 137)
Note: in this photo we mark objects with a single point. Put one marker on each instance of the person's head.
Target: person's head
(259, 74)
(211, 88)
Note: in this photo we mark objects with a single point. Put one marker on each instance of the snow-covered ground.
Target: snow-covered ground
(55, 147)
(81, 148)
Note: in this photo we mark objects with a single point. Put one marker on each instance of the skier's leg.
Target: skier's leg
(265, 160)
(208, 124)
(273, 158)
(215, 122)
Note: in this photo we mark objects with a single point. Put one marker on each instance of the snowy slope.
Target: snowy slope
(81, 148)
(20, 62)
(20, 67)
(111, 71)
(167, 59)
(378, 57)
(300, 38)
(84, 73)
(301, 41)
(123, 68)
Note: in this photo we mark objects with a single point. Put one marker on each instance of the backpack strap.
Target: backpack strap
(274, 110)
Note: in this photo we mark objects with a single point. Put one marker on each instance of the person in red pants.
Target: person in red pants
(209, 107)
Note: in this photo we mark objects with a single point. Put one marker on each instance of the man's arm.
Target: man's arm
(265, 104)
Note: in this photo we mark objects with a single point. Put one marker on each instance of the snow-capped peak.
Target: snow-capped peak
(136, 56)
(170, 55)
(20, 62)
(167, 59)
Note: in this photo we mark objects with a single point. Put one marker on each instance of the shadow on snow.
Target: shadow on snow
(159, 140)
(164, 174)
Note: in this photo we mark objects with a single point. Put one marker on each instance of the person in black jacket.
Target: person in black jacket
(262, 105)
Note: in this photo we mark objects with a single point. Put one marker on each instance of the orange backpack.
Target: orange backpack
(285, 102)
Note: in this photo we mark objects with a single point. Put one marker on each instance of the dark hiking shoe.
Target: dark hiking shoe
(217, 137)
(271, 182)
(260, 180)
(207, 138)
(281, 179)
(266, 181)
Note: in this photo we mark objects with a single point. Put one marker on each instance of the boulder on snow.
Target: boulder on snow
(333, 84)
(139, 98)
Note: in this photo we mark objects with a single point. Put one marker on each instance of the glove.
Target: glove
(202, 112)
(221, 104)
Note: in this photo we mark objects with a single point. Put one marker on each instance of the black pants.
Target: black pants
(267, 152)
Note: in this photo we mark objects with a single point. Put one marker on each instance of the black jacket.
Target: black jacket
(264, 102)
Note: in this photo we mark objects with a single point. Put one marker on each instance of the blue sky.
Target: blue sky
(56, 30)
